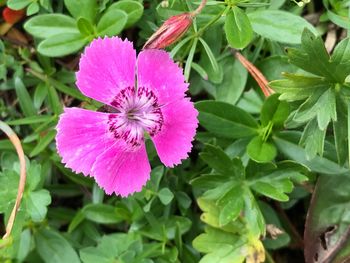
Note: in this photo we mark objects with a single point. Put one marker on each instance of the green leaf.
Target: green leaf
(53, 248)
(231, 205)
(220, 162)
(220, 246)
(48, 25)
(110, 248)
(189, 60)
(82, 8)
(238, 29)
(61, 45)
(297, 153)
(297, 87)
(133, 9)
(36, 204)
(112, 23)
(313, 140)
(8, 194)
(327, 109)
(101, 213)
(340, 129)
(165, 196)
(43, 143)
(234, 81)
(260, 150)
(33, 8)
(24, 98)
(313, 57)
(275, 111)
(210, 54)
(85, 27)
(270, 190)
(18, 4)
(226, 120)
(54, 101)
(278, 25)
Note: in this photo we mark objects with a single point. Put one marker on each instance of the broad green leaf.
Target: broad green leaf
(101, 213)
(261, 151)
(132, 8)
(18, 4)
(33, 8)
(49, 25)
(238, 29)
(278, 25)
(226, 120)
(111, 23)
(269, 190)
(53, 247)
(36, 204)
(234, 81)
(165, 196)
(82, 8)
(62, 44)
(220, 162)
(24, 245)
(230, 205)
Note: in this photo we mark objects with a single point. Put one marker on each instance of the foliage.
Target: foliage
(260, 168)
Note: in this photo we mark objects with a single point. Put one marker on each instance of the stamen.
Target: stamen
(138, 112)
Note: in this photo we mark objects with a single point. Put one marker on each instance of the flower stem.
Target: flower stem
(199, 8)
(216, 18)
(22, 181)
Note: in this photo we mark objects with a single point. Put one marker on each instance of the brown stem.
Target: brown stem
(199, 8)
(299, 242)
(22, 181)
(256, 74)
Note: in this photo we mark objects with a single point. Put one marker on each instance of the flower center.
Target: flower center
(138, 112)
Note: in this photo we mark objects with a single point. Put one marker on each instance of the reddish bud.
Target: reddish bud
(171, 31)
(12, 16)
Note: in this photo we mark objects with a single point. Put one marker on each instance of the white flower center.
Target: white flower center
(138, 112)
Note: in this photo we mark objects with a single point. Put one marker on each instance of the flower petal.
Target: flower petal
(158, 72)
(82, 135)
(121, 170)
(174, 141)
(106, 67)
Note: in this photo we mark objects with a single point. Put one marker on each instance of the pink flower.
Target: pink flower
(110, 146)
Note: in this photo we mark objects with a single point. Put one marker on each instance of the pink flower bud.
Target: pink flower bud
(170, 32)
